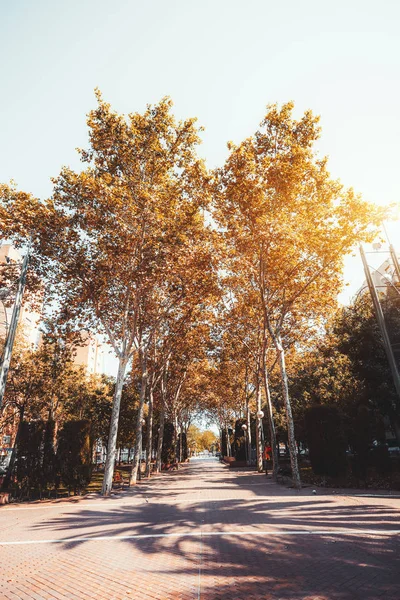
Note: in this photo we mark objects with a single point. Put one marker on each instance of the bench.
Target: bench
(120, 479)
(170, 467)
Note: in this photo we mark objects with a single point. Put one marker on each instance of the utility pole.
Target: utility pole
(381, 322)
(8, 348)
(395, 261)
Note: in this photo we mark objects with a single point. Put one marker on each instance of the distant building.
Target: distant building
(91, 355)
(383, 277)
(29, 319)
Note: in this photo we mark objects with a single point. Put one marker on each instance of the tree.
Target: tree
(109, 234)
(288, 226)
(359, 339)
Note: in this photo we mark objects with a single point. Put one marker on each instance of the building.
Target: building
(29, 320)
(91, 355)
(383, 277)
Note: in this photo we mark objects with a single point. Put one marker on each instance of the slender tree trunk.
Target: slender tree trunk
(138, 442)
(160, 437)
(272, 433)
(175, 438)
(112, 438)
(149, 445)
(248, 423)
(181, 443)
(289, 416)
(162, 420)
(259, 431)
(10, 467)
(228, 442)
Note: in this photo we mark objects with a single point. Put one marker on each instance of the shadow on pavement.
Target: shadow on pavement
(241, 566)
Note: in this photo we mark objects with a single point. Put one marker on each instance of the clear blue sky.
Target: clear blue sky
(220, 60)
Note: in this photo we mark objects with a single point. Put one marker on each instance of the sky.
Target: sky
(222, 61)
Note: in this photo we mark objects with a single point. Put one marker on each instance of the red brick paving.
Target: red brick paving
(341, 562)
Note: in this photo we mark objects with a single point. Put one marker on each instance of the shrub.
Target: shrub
(168, 450)
(30, 457)
(239, 444)
(49, 475)
(74, 455)
(326, 441)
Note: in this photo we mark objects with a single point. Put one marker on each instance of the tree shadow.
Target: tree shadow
(238, 565)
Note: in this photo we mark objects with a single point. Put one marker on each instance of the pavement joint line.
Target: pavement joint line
(394, 496)
(200, 565)
(154, 499)
(201, 534)
(137, 501)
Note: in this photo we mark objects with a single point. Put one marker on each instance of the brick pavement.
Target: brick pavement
(204, 532)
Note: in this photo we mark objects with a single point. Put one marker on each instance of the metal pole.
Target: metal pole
(8, 348)
(395, 262)
(381, 322)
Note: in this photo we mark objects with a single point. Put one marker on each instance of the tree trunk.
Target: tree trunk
(162, 420)
(149, 445)
(112, 438)
(175, 439)
(228, 442)
(138, 442)
(289, 416)
(248, 423)
(10, 467)
(160, 438)
(181, 443)
(272, 433)
(259, 430)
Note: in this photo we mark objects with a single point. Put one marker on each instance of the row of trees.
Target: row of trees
(201, 282)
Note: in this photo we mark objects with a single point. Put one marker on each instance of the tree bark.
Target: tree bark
(259, 431)
(160, 438)
(149, 445)
(248, 423)
(228, 442)
(142, 397)
(289, 416)
(175, 438)
(180, 443)
(272, 433)
(10, 467)
(162, 419)
(112, 438)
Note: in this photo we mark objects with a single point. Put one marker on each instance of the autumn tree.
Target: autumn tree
(288, 226)
(109, 234)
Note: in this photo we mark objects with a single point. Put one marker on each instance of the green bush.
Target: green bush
(74, 455)
(326, 440)
(49, 475)
(29, 459)
(168, 450)
(239, 444)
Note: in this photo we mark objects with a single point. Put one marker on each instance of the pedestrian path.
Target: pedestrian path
(203, 532)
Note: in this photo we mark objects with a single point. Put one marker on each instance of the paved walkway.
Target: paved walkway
(204, 532)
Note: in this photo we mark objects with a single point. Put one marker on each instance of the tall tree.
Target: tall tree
(110, 233)
(289, 225)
